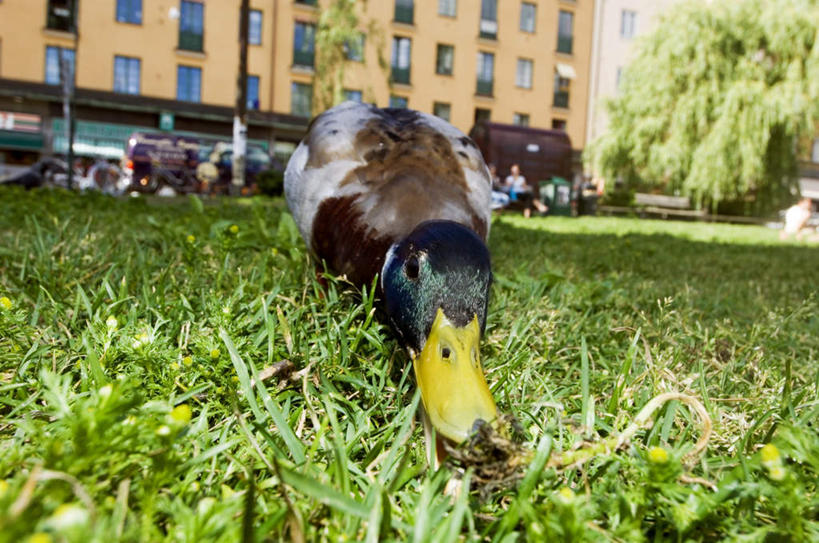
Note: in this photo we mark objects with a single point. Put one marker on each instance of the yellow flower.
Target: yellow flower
(565, 494)
(5, 303)
(163, 430)
(777, 473)
(274, 251)
(39, 537)
(174, 366)
(226, 310)
(770, 455)
(657, 455)
(111, 323)
(181, 413)
(234, 229)
(4, 487)
(191, 238)
(188, 361)
(215, 353)
(68, 515)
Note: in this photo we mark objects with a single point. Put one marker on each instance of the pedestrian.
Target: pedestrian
(520, 190)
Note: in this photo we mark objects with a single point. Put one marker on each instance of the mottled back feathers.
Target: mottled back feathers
(364, 178)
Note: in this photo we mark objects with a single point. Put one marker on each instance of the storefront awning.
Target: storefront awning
(566, 71)
(24, 141)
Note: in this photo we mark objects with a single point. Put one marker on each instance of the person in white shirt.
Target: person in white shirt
(518, 189)
(796, 219)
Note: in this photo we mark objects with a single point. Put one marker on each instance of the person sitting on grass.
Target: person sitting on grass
(500, 196)
(520, 190)
(796, 219)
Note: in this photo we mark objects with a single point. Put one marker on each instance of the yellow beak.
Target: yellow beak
(453, 387)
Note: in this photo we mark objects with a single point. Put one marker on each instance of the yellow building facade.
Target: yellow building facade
(512, 61)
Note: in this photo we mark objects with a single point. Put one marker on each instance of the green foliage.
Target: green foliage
(138, 340)
(270, 182)
(717, 102)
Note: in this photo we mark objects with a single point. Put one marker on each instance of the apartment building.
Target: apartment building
(172, 65)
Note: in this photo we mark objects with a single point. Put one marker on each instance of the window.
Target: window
(304, 44)
(52, 67)
(482, 114)
(559, 124)
(354, 49)
(353, 95)
(254, 27)
(398, 101)
(401, 52)
(521, 119)
(252, 92)
(129, 11)
(486, 69)
(301, 99)
(444, 59)
(126, 74)
(561, 98)
(489, 19)
(447, 8)
(191, 25)
(527, 17)
(814, 156)
(628, 23)
(60, 16)
(403, 11)
(565, 23)
(188, 83)
(523, 75)
(307, 2)
(442, 110)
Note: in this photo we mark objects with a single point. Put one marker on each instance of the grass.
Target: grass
(136, 402)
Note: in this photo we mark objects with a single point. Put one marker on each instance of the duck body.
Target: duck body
(406, 196)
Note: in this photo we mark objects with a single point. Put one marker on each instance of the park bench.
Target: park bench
(666, 206)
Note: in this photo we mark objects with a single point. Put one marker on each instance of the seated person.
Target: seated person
(500, 197)
(521, 191)
(796, 218)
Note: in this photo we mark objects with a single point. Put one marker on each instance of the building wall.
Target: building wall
(24, 40)
(612, 52)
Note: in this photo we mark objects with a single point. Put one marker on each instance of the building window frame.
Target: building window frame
(254, 27)
(61, 15)
(127, 74)
(524, 73)
(565, 32)
(561, 91)
(485, 74)
(354, 49)
(188, 83)
(442, 110)
(304, 44)
(252, 93)
(301, 102)
(628, 23)
(398, 102)
(129, 12)
(54, 54)
(401, 60)
(444, 59)
(191, 26)
(353, 95)
(404, 11)
(528, 17)
(448, 8)
(521, 119)
(488, 26)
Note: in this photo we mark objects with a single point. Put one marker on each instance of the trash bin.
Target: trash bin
(587, 202)
(557, 194)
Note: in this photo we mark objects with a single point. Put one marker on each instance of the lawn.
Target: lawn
(172, 371)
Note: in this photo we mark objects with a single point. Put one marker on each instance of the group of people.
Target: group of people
(514, 188)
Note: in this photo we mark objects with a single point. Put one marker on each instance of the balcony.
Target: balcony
(403, 12)
(303, 58)
(561, 99)
(59, 19)
(190, 41)
(484, 87)
(400, 75)
(564, 44)
(488, 29)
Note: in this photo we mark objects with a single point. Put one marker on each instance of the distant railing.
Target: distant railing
(564, 44)
(303, 58)
(485, 87)
(400, 75)
(190, 41)
(561, 99)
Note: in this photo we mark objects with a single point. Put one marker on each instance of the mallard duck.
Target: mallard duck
(406, 195)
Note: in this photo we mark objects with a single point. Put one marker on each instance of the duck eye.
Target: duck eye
(445, 353)
(412, 268)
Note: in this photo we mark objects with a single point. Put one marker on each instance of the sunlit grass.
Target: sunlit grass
(138, 343)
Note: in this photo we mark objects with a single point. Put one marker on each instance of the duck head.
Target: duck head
(436, 291)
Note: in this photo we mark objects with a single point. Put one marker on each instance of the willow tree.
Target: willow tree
(339, 36)
(718, 102)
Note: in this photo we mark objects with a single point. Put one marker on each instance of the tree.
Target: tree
(718, 102)
(338, 36)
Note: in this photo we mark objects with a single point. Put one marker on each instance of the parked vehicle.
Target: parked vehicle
(155, 159)
(47, 171)
(221, 158)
